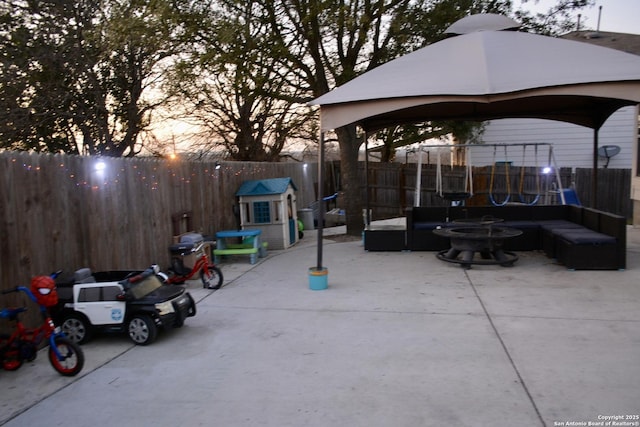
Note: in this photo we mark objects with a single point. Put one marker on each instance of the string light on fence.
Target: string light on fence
(102, 174)
(100, 166)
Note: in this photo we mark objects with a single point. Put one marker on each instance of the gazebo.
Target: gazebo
(486, 73)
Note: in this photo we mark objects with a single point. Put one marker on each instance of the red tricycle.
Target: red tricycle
(210, 275)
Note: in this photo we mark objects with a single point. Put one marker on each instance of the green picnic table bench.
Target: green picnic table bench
(251, 245)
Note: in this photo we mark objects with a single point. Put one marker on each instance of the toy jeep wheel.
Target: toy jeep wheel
(142, 329)
(77, 328)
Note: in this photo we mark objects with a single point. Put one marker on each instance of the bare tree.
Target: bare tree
(82, 76)
(234, 87)
(557, 19)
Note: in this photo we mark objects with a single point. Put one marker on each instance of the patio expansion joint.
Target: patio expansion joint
(506, 351)
(340, 310)
(570, 319)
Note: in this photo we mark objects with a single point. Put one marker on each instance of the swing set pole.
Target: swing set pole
(416, 198)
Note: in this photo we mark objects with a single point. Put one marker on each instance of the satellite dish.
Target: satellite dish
(608, 151)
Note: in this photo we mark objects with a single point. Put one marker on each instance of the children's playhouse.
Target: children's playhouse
(270, 206)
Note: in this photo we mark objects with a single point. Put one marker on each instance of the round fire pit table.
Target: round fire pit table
(487, 241)
(485, 221)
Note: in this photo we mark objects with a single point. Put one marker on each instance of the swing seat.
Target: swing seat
(522, 198)
(455, 196)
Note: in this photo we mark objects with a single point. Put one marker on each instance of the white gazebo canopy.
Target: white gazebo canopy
(486, 75)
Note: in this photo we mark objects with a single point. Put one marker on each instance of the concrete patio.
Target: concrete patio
(398, 339)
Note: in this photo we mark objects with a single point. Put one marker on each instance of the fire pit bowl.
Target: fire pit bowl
(487, 241)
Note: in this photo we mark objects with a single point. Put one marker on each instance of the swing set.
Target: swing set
(507, 164)
(457, 194)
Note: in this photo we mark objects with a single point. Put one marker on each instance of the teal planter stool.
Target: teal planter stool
(318, 278)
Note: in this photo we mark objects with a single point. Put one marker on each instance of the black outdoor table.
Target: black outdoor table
(478, 236)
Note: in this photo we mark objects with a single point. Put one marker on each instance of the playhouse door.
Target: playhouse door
(292, 231)
(293, 224)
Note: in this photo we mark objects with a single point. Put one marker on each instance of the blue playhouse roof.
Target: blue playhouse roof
(263, 187)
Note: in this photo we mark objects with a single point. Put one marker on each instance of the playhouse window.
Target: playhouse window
(261, 214)
(277, 210)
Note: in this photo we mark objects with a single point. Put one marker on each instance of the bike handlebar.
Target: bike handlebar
(154, 269)
(11, 312)
(21, 289)
(27, 290)
(197, 247)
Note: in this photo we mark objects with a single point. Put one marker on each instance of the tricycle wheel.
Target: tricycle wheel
(142, 329)
(71, 360)
(11, 364)
(11, 359)
(211, 278)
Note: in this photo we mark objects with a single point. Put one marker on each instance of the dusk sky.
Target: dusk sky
(620, 16)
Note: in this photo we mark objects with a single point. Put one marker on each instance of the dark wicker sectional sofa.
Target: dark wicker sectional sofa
(578, 237)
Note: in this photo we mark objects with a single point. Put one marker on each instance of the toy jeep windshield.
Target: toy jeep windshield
(141, 288)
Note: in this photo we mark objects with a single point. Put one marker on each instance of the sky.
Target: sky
(620, 16)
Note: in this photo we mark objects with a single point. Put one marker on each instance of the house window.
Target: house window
(261, 213)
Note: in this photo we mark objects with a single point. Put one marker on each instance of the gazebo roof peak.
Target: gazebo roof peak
(482, 22)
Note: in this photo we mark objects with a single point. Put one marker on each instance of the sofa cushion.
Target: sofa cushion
(556, 224)
(521, 224)
(584, 237)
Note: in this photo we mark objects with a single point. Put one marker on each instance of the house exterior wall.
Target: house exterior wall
(572, 144)
(635, 174)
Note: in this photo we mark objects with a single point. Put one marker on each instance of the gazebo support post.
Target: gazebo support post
(320, 199)
(594, 174)
(318, 275)
(367, 212)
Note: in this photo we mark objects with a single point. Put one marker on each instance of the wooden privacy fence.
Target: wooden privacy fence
(613, 190)
(60, 212)
(392, 187)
